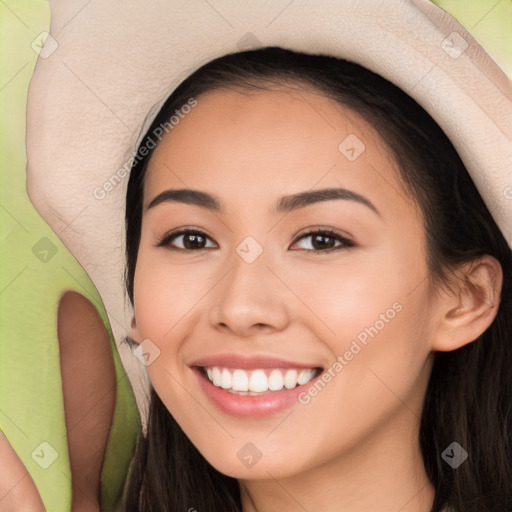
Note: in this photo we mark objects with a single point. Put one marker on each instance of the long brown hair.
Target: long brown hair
(469, 396)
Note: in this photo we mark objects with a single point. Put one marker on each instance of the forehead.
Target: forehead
(268, 143)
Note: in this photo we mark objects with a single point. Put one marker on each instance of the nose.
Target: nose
(250, 299)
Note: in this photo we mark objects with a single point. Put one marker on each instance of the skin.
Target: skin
(17, 489)
(355, 445)
(89, 390)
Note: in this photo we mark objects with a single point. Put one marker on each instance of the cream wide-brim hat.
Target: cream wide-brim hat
(107, 67)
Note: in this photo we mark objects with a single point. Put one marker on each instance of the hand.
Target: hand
(18, 492)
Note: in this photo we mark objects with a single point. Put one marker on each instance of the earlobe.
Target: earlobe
(468, 312)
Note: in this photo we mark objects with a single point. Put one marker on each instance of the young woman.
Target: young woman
(322, 296)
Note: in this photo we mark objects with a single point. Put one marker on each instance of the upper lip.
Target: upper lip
(249, 362)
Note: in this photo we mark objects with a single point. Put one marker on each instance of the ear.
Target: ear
(471, 304)
(135, 331)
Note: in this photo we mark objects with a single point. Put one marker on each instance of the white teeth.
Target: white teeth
(305, 376)
(216, 376)
(258, 381)
(240, 381)
(225, 380)
(290, 379)
(275, 381)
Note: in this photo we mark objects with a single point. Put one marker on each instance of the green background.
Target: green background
(35, 270)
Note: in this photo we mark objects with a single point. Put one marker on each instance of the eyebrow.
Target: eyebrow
(283, 205)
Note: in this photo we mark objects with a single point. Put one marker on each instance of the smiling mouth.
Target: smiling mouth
(259, 381)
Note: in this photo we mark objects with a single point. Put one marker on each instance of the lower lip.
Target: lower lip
(244, 406)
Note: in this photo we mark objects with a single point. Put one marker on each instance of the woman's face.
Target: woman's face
(258, 295)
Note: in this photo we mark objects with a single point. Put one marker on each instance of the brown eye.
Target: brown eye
(324, 241)
(189, 240)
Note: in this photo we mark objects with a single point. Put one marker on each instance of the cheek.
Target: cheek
(164, 295)
(166, 305)
(380, 321)
(360, 294)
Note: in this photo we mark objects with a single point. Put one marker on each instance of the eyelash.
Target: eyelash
(166, 240)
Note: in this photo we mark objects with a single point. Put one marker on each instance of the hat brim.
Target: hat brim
(104, 68)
